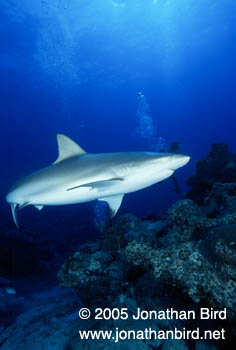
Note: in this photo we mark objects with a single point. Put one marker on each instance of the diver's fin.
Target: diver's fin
(67, 148)
(39, 207)
(14, 214)
(113, 202)
(99, 185)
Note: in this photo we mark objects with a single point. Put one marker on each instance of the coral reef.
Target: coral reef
(187, 220)
(220, 200)
(185, 266)
(204, 269)
(190, 251)
(96, 269)
(218, 166)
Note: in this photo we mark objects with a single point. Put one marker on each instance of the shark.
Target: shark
(77, 176)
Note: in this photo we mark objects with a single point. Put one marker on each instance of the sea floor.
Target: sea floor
(40, 318)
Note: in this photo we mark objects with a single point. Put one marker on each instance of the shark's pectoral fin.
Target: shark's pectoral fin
(67, 148)
(39, 207)
(14, 213)
(113, 202)
(99, 185)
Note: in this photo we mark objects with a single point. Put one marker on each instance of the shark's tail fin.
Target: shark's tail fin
(14, 213)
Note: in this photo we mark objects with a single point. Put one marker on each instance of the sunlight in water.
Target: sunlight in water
(74, 37)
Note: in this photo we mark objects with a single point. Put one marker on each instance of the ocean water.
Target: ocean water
(113, 75)
(76, 67)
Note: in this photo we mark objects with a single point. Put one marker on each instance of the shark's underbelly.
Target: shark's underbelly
(61, 196)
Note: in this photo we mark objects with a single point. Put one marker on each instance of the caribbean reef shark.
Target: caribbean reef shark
(77, 176)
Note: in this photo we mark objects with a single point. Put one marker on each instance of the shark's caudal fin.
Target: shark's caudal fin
(14, 213)
(113, 202)
(67, 148)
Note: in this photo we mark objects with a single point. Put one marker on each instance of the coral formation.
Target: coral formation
(218, 166)
(96, 269)
(221, 199)
(185, 266)
(190, 251)
(185, 261)
(187, 219)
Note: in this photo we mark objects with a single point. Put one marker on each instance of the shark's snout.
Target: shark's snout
(178, 161)
(183, 160)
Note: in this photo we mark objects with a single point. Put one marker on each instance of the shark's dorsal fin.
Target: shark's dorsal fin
(67, 148)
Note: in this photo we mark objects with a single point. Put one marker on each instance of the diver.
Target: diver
(146, 131)
(175, 148)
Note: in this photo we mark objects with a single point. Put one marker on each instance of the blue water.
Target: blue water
(79, 67)
(76, 68)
